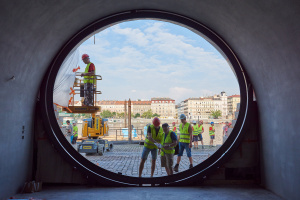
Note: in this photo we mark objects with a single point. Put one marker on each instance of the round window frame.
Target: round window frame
(199, 172)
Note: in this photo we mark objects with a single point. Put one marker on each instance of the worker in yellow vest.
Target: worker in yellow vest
(75, 133)
(174, 128)
(152, 143)
(211, 134)
(200, 131)
(185, 141)
(89, 81)
(168, 149)
(195, 134)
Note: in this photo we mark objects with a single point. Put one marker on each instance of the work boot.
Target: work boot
(176, 168)
(191, 166)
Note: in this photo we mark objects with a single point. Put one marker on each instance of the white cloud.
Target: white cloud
(180, 93)
(153, 61)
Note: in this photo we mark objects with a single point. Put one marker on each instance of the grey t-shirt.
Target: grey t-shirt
(69, 127)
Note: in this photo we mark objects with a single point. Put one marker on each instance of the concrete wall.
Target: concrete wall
(264, 34)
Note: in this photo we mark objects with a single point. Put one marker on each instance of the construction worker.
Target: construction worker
(89, 81)
(152, 143)
(200, 131)
(75, 133)
(174, 128)
(168, 149)
(195, 134)
(212, 134)
(69, 131)
(185, 141)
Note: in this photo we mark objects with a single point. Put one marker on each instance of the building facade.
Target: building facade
(202, 107)
(232, 102)
(165, 107)
(119, 106)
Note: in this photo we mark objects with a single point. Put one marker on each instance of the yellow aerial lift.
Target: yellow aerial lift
(94, 127)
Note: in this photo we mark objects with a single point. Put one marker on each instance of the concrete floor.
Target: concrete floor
(232, 192)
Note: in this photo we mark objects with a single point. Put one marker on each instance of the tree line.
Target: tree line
(108, 114)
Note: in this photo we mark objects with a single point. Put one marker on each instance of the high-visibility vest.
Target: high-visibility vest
(211, 130)
(196, 130)
(167, 141)
(175, 129)
(184, 133)
(88, 79)
(158, 138)
(75, 129)
(200, 129)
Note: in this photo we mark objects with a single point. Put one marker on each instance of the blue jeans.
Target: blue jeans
(146, 152)
(185, 146)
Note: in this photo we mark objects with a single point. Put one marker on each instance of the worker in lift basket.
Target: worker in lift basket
(89, 81)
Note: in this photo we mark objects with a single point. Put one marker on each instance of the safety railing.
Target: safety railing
(78, 87)
(121, 134)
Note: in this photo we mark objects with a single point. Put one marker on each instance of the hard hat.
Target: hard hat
(156, 121)
(84, 56)
(173, 123)
(182, 116)
(74, 122)
(201, 121)
(212, 123)
(194, 122)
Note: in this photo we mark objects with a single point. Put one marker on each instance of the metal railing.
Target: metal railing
(118, 134)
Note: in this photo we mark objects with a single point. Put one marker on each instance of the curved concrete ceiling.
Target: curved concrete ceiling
(264, 35)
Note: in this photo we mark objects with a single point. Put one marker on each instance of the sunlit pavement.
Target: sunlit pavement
(125, 159)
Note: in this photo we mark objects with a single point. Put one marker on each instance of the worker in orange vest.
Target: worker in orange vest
(174, 128)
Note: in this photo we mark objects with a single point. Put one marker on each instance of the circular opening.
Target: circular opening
(104, 176)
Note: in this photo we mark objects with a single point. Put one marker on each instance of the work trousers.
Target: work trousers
(88, 94)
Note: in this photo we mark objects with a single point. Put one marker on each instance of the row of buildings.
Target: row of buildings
(193, 108)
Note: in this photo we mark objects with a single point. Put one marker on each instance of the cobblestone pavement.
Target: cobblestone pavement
(125, 158)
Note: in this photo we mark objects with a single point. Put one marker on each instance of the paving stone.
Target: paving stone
(125, 158)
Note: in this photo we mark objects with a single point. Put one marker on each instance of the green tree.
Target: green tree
(114, 114)
(148, 114)
(106, 114)
(216, 114)
(155, 115)
(120, 115)
(137, 115)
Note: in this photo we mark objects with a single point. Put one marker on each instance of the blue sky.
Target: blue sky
(147, 58)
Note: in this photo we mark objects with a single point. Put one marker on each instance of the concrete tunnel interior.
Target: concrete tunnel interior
(264, 35)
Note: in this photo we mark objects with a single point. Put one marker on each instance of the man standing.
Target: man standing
(212, 134)
(185, 141)
(225, 131)
(174, 128)
(89, 81)
(75, 133)
(69, 131)
(195, 134)
(168, 149)
(200, 131)
(152, 142)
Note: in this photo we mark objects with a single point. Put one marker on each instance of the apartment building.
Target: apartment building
(202, 107)
(165, 107)
(232, 102)
(118, 106)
